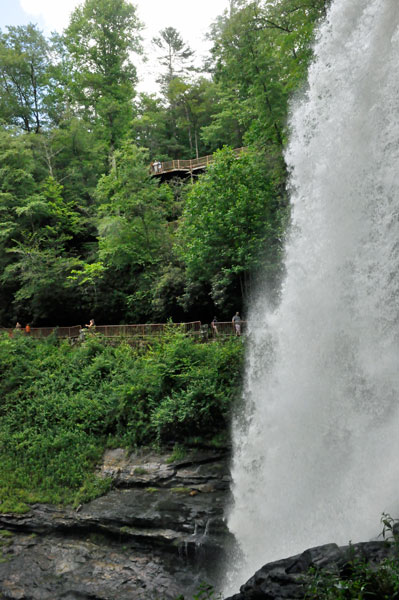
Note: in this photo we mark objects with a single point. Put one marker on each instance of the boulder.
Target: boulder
(286, 579)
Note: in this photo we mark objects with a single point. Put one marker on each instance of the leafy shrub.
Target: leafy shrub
(360, 579)
(61, 406)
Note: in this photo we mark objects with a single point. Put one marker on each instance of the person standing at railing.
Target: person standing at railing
(91, 326)
(236, 320)
(214, 326)
(27, 329)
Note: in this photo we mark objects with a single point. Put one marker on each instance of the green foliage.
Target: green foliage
(62, 405)
(100, 37)
(205, 591)
(231, 226)
(260, 55)
(4, 533)
(199, 384)
(179, 452)
(84, 227)
(92, 487)
(140, 471)
(360, 579)
(133, 238)
(24, 77)
(175, 55)
(37, 230)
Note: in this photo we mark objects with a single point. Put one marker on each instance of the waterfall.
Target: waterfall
(316, 449)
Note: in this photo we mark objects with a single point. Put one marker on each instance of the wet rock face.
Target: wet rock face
(156, 535)
(286, 579)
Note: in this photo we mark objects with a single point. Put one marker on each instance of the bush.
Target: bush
(360, 579)
(61, 406)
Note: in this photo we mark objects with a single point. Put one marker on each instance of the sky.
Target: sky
(190, 17)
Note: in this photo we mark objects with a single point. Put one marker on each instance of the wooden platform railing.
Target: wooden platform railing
(140, 331)
(109, 331)
(158, 168)
(42, 332)
(226, 328)
(146, 329)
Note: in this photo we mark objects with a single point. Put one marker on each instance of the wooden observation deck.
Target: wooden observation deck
(186, 167)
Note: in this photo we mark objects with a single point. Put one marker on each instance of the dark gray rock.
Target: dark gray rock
(156, 535)
(286, 579)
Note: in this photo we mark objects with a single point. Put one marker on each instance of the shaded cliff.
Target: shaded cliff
(157, 534)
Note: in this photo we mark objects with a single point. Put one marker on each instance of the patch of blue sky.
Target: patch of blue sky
(12, 13)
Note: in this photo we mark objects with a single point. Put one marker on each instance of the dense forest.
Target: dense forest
(86, 230)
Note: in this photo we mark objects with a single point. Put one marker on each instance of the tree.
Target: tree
(227, 121)
(192, 108)
(24, 60)
(134, 236)
(37, 227)
(176, 55)
(261, 52)
(150, 126)
(230, 228)
(75, 157)
(16, 183)
(100, 38)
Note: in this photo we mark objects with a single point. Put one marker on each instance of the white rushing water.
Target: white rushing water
(316, 458)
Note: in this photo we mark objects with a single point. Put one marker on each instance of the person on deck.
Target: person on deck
(214, 326)
(236, 320)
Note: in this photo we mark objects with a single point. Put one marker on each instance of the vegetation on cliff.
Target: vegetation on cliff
(62, 405)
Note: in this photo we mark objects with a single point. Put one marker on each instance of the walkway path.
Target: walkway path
(139, 332)
(186, 166)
